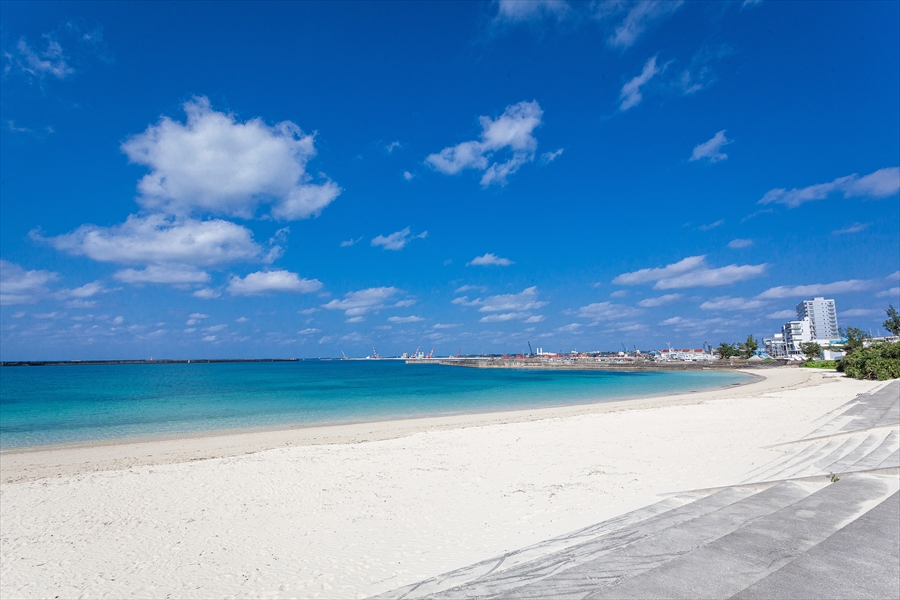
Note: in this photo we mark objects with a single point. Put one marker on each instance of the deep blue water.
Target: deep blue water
(63, 404)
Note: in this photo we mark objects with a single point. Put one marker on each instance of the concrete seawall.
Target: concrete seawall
(582, 364)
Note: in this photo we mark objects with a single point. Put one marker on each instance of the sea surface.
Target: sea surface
(79, 403)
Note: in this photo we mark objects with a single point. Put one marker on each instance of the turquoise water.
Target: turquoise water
(64, 404)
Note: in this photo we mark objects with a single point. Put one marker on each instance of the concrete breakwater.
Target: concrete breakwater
(584, 364)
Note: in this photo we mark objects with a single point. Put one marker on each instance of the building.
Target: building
(795, 333)
(822, 318)
(775, 345)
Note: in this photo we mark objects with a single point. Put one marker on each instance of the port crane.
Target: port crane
(458, 352)
(430, 354)
(344, 355)
(375, 353)
(530, 351)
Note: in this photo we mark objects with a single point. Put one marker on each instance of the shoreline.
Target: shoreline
(35, 462)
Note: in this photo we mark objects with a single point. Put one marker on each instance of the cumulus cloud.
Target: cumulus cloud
(467, 288)
(729, 303)
(854, 228)
(502, 317)
(409, 319)
(893, 292)
(19, 286)
(206, 294)
(659, 301)
(880, 184)
(172, 274)
(489, 259)
(630, 95)
(163, 241)
(607, 311)
(740, 243)
(692, 271)
(464, 300)
(862, 312)
(635, 17)
(398, 239)
(516, 11)
(361, 302)
(263, 282)
(512, 131)
(214, 163)
(309, 331)
(711, 150)
(821, 289)
(782, 314)
(525, 300)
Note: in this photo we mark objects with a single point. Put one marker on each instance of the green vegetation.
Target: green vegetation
(726, 350)
(821, 364)
(856, 338)
(879, 361)
(893, 320)
(811, 350)
(748, 348)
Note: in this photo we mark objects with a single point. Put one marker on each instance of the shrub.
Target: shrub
(821, 364)
(879, 361)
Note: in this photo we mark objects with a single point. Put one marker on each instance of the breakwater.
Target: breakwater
(593, 364)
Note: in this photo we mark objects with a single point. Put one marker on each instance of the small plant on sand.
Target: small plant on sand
(834, 478)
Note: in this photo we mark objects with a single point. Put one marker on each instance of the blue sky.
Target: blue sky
(252, 180)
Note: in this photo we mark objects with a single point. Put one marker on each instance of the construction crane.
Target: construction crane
(375, 353)
(416, 353)
(344, 355)
(430, 354)
(624, 349)
(458, 352)
(530, 351)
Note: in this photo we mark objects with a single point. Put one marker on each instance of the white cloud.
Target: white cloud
(172, 274)
(729, 303)
(464, 300)
(206, 294)
(444, 325)
(397, 240)
(640, 15)
(709, 226)
(549, 157)
(690, 272)
(630, 95)
(570, 327)
(880, 184)
(619, 294)
(409, 319)
(862, 312)
(523, 301)
(512, 131)
(711, 150)
(215, 328)
(407, 175)
(51, 61)
(355, 320)
(88, 290)
(363, 301)
(197, 316)
(393, 146)
(263, 282)
(740, 243)
(821, 289)
(168, 243)
(18, 286)
(854, 228)
(659, 301)
(605, 311)
(502, 317)
(517, 10)
(213, 163)
(309, 331)
(404, 303)
(350, 242)
(467, 288)
(534, 319)
(782, 314)
(241, 320)
(209, 338)
(490, 259)
(118, 320)
(894, 292)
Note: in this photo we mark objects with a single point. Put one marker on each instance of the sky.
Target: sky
(247, 180)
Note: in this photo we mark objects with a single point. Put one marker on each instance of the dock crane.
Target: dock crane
(458, 352)
(375, 353)
(344, 355)
(430, 354)
(530, 351)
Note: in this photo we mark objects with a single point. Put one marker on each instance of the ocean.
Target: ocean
(81, 403)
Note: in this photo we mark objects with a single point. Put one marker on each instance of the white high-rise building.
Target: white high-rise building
(795, 333)
(822, 318)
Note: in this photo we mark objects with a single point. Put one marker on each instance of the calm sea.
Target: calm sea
(64, 404)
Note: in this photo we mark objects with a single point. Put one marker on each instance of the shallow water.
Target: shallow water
(64, 404)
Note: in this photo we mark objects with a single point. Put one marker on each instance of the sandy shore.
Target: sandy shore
(354, 510)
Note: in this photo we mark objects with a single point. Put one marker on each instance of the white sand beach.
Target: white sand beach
(355, 510)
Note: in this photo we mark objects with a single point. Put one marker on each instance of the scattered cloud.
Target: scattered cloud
(894, 292)
(711, 150)
(404, 303)
(18, 286)
(880, 184)
(393, 146)
(821, 289)
(241, 320)
(171, 274)
(361, 302)
(350, 242)
(659, 301)
(206, 294)
(854, 228)
(631, 96)
(355, 320)
(468, 288)
(51, 61)
(690, 272)
(710, 225)
(570, 327)
(409, 319)
(729, 303)
(862, 312)
(516, 11)
(489, 260)
(309, 331)
(607, 311)
(525, 300)
(210, 338)
(549, 157)
(638, 16)
(444, 325)
(502, 317)
(213, 163)
(263, 282)
(215, 328)
(308, 311)
(782, 314)
(464, 301)
(619, 294)
(740, 243)
(510, 131)
(397, 240)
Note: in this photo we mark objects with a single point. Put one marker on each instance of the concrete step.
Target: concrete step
(862, 560)
(879, 454)
(891, 461)
(430, 586)
(740, 559)
(607, 538)
(875, 409)
(867, 444)
(650, 552)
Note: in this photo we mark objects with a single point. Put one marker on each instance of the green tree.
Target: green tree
(855, 339)
(726, 350)
(893, 320)
(812, 350)
(749, 348)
